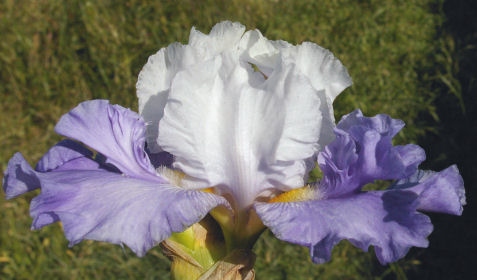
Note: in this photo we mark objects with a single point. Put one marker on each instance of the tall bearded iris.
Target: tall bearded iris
(230, 125)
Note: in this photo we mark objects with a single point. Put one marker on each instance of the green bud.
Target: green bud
(200, 252)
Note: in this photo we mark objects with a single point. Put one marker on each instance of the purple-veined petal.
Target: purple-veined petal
(108, 206)
(122, 131)
(363, 152)
(91, 197)
(386, 220)
(338, 164)
(112, 130)
(335, 208)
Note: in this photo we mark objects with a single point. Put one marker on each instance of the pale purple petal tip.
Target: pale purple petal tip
(64, 154)
(441, 192)
(19, 177)
(70, 155)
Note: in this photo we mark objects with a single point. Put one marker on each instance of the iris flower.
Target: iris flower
(231, 124)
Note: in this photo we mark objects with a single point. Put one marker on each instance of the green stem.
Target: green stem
(240, 229)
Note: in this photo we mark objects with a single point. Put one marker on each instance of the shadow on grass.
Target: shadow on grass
(453, 244)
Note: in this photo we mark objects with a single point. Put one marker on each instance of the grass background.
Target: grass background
(415, 60)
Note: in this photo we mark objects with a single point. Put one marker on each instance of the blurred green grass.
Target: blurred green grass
(55, 54)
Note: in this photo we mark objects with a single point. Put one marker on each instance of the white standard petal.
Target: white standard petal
(239, 136)
(323, 70)
(155, 78)
(319, 65)
(240, 112)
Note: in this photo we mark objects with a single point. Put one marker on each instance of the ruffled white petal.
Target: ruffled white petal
(322, 69)
(224, 36)
(155, 78)
(241, 112)
(153, 86)
(245, 138)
